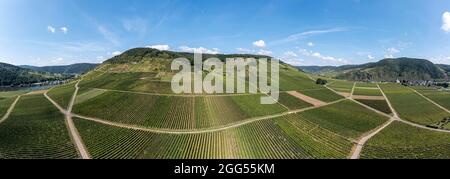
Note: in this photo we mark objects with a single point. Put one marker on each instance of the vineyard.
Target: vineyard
(345, 118)
(139, 82)
(5, 103)
(420, 111)
(35, 130)
(367, 92)
(173, 112)
(440, 97)
(380, 105)
(261, 140)
(401, 141)
(366, 85)
(341, 86)
(292, 102)
(62, 94)
(294, 81)
(324, 95)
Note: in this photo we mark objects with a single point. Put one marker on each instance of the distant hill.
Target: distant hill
(11, 75)
(153, 60)
(388, 70)
(316, 69)
(78, 68)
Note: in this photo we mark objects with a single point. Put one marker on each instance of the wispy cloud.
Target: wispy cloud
(322, 57)
(108, 35)
(446, 22)
(135, 24)
(306, 34)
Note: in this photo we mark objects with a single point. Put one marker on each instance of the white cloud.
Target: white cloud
(370, 57)
(199, 50)
(446, 21)
(391, 52)
(245, 51)
(290, 54)
(64, 30)
(116, 53)
(260, 44)
(159, 47)
(311, 44)
(319, 56)
(57, 61)
(292, 58)
(264, 52)
(51, 29)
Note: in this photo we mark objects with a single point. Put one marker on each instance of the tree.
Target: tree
(321, 81)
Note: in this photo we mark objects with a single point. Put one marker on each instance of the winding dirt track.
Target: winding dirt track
(70, 125)
(10, 110)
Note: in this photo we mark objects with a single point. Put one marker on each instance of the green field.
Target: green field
(251, 105)
(342, 86)
(413, 107)
(401, 141)
(367, 92)
(35, 129)
(440, 97)
(287, 138)
(345, 118)
(380, 105)
(261, 140)
(317, 141)
(140, 82)
(292, 102)
(174, 112)
(11, 94)
(294, 81)
(367, 85)
(5, 103)
(324, 95)
(62, 94)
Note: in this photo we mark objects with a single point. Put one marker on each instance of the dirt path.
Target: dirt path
(310, 100)
(353, 90)
(360, 144)
(70, 125)
(10, 110)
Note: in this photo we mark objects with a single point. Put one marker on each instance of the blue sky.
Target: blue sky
(301, 32)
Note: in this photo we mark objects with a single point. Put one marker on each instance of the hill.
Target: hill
(78, 68)
(386, 70)
(11, 75)
(153, 60)
(316, 69)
